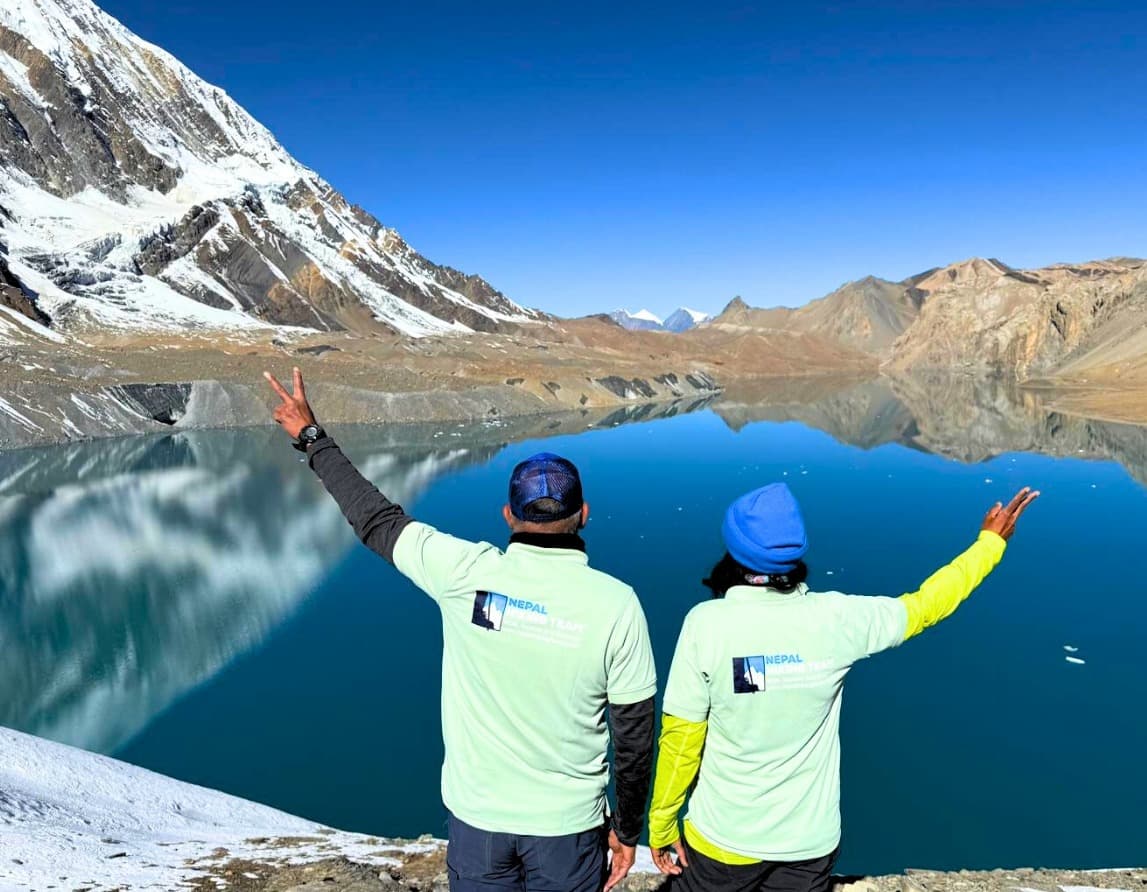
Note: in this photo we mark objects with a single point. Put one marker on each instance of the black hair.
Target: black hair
(559, 522)
(728, 572)
(551, 507)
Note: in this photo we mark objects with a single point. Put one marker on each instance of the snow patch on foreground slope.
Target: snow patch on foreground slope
(70, 818)
(67, 815)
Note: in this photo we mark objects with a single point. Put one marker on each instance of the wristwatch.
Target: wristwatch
(308, 436)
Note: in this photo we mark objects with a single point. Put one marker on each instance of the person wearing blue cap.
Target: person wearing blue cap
(539, 648)
(753, 700)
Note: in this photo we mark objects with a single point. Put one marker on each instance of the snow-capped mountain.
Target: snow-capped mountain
(135, 195)
(679, 320)
(682, 319)
(642, 320)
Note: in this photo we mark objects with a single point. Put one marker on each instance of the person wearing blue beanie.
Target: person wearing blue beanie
(764, 530)
(752, 706)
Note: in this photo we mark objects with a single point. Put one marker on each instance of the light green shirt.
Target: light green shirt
(766, 671)
(536, 644)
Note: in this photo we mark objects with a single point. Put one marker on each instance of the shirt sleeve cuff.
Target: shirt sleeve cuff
(994, 541)
(663, 839)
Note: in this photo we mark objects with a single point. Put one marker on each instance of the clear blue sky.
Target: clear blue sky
(592, 155)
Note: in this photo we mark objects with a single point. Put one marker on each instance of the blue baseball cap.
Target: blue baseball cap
(764, 530)
(545, 476)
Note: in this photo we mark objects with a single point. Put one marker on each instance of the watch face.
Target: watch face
(310, 432)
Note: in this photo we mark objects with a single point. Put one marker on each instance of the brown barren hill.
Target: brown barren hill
(1064, 322)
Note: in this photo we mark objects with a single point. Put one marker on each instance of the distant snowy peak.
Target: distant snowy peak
(643, 320)
(135, 195)
(684, 318)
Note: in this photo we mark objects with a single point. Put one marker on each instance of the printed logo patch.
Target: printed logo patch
(489, 610)
(748, 675)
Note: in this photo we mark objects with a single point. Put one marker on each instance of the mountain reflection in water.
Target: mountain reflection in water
(133, 569)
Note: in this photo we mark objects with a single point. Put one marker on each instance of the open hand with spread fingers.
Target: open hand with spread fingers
(663, 858)
(1001, 519)
(294, 413)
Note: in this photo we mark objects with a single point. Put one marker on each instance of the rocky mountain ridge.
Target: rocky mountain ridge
(135, 196)
(1066, 321)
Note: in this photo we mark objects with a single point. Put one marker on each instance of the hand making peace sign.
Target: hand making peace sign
(294, 412)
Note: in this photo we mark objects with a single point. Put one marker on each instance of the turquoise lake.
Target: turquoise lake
(195, 604)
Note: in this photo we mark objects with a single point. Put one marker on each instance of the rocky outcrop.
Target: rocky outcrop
(16, 297)
(163, 403)
(982, 315)
(149, 199)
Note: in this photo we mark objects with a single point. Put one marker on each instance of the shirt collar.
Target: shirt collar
(570, 541)
(764, 593)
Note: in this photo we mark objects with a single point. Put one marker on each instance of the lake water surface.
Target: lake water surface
(195, 604)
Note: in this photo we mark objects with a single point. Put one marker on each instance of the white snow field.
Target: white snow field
(71, 819)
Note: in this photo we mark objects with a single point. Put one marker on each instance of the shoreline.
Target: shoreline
(141, 408)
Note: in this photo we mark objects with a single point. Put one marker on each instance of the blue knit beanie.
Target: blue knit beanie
(764, 530)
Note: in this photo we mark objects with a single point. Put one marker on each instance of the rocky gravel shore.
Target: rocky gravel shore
(427, 873)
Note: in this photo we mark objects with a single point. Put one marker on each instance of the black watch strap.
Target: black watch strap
(308, 436)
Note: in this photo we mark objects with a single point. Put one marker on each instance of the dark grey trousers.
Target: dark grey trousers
(482, 861)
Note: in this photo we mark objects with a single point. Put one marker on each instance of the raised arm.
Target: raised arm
(377, 521)
(947, 588)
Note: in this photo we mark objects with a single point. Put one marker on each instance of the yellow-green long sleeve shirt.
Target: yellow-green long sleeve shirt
(756, 686)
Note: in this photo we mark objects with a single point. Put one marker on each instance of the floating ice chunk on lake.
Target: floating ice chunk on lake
(1070, 649)
(1075, 660)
